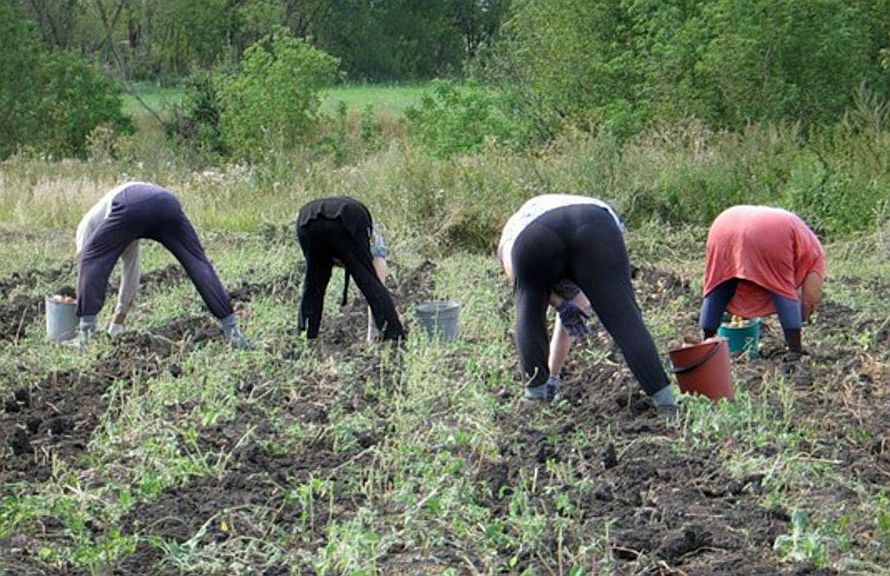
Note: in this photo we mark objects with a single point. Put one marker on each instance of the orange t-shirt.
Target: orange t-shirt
(770, 249)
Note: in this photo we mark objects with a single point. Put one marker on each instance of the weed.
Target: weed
(805, 543)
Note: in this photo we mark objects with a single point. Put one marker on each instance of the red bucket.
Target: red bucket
(703, 368)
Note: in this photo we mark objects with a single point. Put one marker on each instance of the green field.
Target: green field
(165, 452)
(158, 98)
(388, 99)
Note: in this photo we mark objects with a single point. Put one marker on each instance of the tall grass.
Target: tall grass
(837, 180)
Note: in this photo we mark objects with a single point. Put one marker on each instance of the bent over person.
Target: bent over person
(112, 229)
(340, 231)
(762, 261)
(556, 248)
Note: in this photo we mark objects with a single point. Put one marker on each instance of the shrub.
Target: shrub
(459, 118)
(78, 99)
(272, 103)
(621, 65)
(49, 101)
(196, 119)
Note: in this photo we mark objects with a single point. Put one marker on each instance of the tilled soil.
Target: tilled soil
(668, 512)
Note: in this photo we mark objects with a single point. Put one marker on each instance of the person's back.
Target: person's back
(340, 231)
(112, 228)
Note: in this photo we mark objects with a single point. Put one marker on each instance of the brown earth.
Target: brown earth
(668, 512)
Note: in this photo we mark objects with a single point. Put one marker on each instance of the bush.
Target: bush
(272, 103)
(78, 99)
(621, 65)
(196, 119)
(461, 118)
(50, 101)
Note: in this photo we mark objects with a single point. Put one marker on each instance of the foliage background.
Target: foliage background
(690, 106)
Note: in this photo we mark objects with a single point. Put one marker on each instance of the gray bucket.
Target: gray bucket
(61, 323)
(439, 319)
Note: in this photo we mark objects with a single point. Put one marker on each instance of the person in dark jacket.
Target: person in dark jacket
(339, 231)
(567, 251)
(111, 230)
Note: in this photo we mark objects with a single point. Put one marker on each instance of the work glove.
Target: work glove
(115, 329)
(573, 319)
(553, 384)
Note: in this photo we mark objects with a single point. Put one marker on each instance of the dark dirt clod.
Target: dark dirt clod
(683, 541)
(608, 457)
(20, 442)
(59, 425)
(22, 396)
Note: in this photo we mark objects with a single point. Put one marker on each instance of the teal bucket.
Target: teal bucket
(745, 338)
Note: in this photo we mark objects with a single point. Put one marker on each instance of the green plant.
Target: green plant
(882, 517)
(804, 543)
(463, 118)
(272, 102)
(51, 100)
(196, 117)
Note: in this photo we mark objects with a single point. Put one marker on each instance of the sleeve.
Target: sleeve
(809, 255)
(129, 278)
(378, 247)
(85, 229)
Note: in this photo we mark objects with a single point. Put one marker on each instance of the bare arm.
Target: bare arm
(560, 342)
(810, 294)
(129, 282)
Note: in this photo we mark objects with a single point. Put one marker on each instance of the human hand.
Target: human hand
(573, 319)
(115, 329)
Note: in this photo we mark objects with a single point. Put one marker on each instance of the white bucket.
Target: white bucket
(439, 319)
(61, 322)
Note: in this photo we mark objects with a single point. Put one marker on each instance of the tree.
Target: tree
(620, 64)
(49, 99)
(271, 104)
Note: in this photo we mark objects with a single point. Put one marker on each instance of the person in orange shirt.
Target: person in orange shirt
(762, 261)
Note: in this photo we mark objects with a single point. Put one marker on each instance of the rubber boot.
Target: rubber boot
(792, 339)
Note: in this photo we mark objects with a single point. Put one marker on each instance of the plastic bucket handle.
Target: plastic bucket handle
(697, 363)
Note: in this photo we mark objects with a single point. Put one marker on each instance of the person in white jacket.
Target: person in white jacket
(111, 230)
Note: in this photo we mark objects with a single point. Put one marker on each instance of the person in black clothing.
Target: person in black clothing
(557, 248)
(340, 231)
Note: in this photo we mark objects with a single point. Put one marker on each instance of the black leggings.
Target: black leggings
(581, 243)
(325, 239)
(146, 211)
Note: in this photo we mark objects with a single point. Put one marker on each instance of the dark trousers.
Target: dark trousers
(143, 211)
(581, 243)
(325, 239)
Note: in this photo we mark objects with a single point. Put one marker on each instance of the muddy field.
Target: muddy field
(648, 505)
